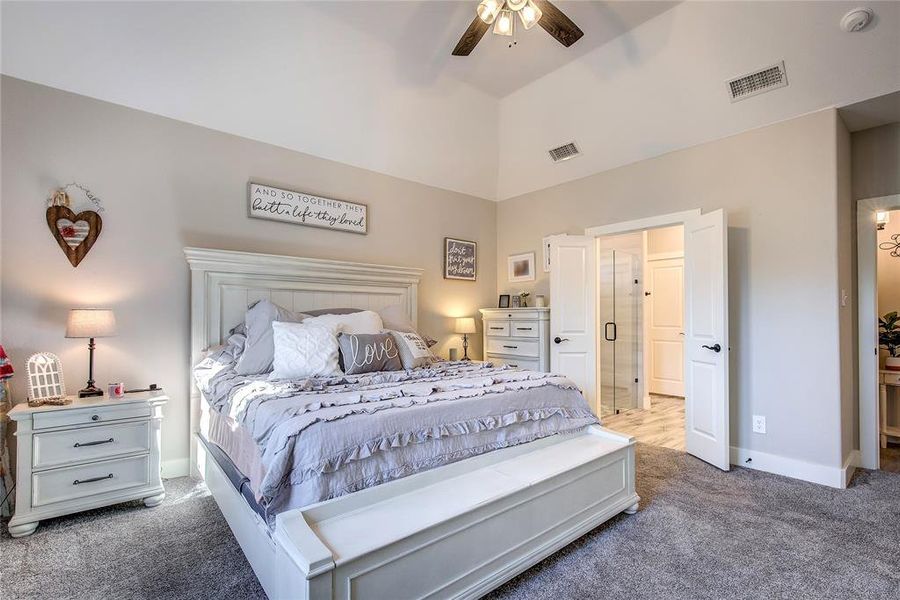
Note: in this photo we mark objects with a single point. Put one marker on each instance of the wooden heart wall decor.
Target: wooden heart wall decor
(74, 232)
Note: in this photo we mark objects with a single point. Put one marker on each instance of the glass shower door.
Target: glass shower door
(619, 335)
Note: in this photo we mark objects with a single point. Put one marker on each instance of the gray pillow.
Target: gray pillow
(259, 350)
(368, 353)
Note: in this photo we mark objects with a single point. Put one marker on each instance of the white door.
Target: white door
(573, 291)
(665, 327)
(706, 338)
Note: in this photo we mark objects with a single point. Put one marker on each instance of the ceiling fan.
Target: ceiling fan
(502, 13)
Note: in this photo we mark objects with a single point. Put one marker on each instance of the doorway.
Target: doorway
(641, 335)
(878, 268)
(577, 328)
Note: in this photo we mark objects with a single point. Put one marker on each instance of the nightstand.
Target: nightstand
(90, 453)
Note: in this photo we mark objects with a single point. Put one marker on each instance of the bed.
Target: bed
(457, 528)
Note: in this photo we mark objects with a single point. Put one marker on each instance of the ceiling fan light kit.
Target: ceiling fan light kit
(502, 15)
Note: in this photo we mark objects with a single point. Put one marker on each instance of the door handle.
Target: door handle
(559, 340)
(606, 332)
(715, 347)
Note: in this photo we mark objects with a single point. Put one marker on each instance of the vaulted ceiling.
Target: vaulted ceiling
(372, 84)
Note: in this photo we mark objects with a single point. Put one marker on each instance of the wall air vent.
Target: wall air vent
(564, 152)
(759, 82)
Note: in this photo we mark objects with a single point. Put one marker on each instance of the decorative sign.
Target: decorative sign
(459, 259)
(275, 204)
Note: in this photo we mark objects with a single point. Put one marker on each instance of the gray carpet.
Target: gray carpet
(700, 533)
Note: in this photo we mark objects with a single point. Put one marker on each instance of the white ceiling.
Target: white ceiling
(372, 84)
(873, 112)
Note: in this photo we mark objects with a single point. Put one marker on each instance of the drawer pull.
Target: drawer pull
(511, 347)
(92, 479)
(95, 417)
(497, 328)
(524, 328)
(97, 443)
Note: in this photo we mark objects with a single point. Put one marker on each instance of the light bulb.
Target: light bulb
(504, 23)
(488, 9)
(530, 14)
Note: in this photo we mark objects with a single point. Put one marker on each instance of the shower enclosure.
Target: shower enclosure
(619, 336)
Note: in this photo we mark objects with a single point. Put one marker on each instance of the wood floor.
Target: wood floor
(890, 458)
(662, 425)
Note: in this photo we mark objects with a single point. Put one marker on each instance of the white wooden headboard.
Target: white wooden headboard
(224, 283)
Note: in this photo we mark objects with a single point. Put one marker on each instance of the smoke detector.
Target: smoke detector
(857, 19)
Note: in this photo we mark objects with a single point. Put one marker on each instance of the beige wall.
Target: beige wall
(779, 187)
(665, 240)
(876, 161)
(165, 185)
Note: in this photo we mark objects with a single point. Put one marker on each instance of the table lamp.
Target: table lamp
(465, 326)
(90, 323)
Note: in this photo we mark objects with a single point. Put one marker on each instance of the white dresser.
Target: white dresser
(90, 453)
(518, 337)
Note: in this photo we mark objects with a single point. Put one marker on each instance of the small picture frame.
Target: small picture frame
(546, 253)
(520, 267)
(516, 302)
(504, 301)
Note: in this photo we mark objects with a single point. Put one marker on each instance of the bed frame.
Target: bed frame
(457, 531)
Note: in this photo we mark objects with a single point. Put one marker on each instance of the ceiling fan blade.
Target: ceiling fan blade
(557, 24)
(471, 37)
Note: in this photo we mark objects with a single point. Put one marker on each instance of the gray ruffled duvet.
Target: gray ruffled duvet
(320, 438)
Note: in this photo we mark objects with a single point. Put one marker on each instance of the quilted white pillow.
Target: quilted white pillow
(305, 350)
(360, 323)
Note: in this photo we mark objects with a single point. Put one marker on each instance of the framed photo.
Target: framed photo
(300, 208)
(460, 259)
(516, 302)
(521, 267)
(504, 301)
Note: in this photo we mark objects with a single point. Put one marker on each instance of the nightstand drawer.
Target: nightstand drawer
(527, 329)
(526, 363)
(71, 446)
(86, 416)
(514, 347)
(69, 483)
(497, 328)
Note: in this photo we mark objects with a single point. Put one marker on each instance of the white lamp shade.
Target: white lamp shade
(488, 9)
(530, 14)
(465, 325)
(504, 23)
(90, 323)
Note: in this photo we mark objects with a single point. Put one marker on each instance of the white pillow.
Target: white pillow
(305, 350)
(414, 351)
(364, 322)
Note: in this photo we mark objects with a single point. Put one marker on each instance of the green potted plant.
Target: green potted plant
(889, 338)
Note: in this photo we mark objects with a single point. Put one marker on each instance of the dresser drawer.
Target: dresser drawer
(527, 329)
(497, 328)
(513, 347)
(71, 446)
(524, 363)
(69, 483)
(890, 378)
(86, 416)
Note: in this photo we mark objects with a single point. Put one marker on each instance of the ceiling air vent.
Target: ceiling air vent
(564, 152)
(752, 84)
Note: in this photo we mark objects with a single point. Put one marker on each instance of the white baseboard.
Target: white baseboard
(850, 465)
(176, 467)
(836, 477)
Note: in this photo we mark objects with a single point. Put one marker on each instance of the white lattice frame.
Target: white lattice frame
(38, 390)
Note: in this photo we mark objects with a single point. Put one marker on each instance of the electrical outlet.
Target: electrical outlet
(759, 424)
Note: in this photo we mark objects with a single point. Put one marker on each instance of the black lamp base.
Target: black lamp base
(465, 348)
(89, 392)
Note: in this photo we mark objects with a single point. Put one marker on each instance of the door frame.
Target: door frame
(867, 303)
(642, 225)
